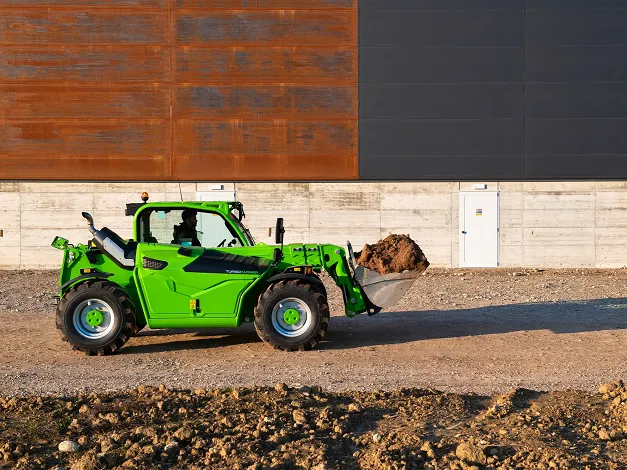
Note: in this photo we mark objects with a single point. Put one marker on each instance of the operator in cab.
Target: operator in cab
(186, 230)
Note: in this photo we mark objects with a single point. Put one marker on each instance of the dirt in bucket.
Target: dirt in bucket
(394, 254)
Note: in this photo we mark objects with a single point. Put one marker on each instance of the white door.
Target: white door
(479, 229)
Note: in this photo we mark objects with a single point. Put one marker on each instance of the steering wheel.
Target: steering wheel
(222, 243)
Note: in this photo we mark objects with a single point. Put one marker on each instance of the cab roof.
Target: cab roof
(220, 206)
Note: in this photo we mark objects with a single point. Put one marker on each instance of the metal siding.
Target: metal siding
(441, 167)
(441, 100)
(576, 100)
(84, 5)
(186, 89)
(84, 137)
(270, 65)
(431, 5)
(560, 27)
(440, 64)
(267, 4)
(265, 94)
(277, 137)
(271, 28)
(86, 64)
(82, 27)
(450, 89)
(441, 28)
(82, 101)
(265, 102)
(576, 74)
(84, 167)
(267, 167)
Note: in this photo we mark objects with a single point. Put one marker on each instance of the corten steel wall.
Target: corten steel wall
(493, 89)
(178, 89)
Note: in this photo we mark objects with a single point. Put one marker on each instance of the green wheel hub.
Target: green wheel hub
(291, 316)
(94, 318)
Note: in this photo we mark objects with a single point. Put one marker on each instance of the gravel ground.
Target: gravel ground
(481, 331)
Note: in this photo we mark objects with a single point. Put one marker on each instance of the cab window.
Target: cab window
(187, 228)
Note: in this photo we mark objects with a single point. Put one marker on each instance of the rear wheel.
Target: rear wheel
(96, 317)
(292, 315)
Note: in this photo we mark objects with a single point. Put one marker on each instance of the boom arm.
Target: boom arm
(335, 263)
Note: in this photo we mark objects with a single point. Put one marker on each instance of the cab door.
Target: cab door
(188, 286)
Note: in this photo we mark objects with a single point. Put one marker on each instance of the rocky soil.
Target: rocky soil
(393, 254)
(308, 428)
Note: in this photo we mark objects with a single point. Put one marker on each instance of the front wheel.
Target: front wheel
(96, 317)
(292, 315)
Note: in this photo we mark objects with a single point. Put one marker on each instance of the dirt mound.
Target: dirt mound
(282, 428)
(394, 254)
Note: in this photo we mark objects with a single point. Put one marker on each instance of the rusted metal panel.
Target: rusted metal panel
(266, 167)
(277, 137)
(265, 102)
(265, 65)
(267, 4)
(82, 27)
(260, 89)
(84, 167)
(83, 63)
(285, 27)
(88, 101)
(85, 4)
(84, 137)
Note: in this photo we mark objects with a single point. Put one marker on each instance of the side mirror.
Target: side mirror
(279, 231)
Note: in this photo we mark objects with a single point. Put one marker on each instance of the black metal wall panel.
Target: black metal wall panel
(576, 100)
(441, 100)
(424, 28)
(576, 89)
(440, 64)
(441, 136)
(492, 89)
(442, 167)
(426, 5)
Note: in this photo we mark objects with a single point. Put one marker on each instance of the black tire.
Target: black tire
(121, 317)
(309, 294)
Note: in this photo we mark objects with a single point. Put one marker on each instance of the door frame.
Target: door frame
(462, 221)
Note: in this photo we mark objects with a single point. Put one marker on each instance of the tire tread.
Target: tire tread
(126, 306)
(316, 294)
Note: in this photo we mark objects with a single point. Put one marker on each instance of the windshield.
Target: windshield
(247, 235)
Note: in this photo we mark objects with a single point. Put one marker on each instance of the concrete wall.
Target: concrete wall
(542, 224)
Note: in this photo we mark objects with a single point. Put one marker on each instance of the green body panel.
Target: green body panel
(194, 290)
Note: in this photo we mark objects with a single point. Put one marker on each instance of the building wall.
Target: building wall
(542, 224)
(178, 90)
(313, 90)
(500, 90)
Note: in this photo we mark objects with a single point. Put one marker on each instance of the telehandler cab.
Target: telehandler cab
(112, 288)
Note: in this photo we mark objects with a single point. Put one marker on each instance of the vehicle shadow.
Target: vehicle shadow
(563, 317)
(205, 338)
(397, 327)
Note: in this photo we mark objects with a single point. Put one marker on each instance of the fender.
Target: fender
(290, 276)
(82, 277)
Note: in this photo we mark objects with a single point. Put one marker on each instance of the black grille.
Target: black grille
(155, 264)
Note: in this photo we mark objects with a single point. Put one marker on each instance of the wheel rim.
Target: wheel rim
(93, 319)
(291, 317)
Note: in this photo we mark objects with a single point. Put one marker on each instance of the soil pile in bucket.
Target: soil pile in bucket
(394, 254)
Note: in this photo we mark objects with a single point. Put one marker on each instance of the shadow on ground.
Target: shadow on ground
(561, 317)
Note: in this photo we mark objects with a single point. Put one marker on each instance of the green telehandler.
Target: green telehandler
(206, 272)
